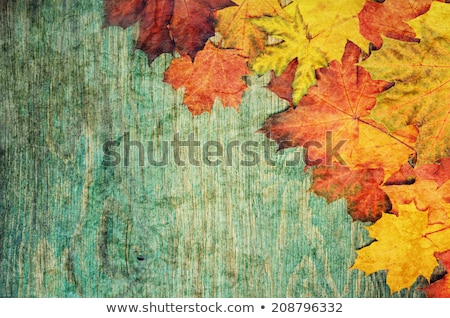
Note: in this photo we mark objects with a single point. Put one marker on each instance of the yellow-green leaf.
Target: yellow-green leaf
(316, 34)
(295, 44)
(421, 73)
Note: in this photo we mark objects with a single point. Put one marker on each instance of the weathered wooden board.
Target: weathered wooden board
(72, 227)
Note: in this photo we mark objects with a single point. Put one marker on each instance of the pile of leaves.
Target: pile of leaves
(371, 76)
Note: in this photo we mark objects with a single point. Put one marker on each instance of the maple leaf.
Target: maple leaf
(421, 73)
(388, 18)
(404, 176)
(428, 189)
(331, 24)
(439, 171)
(315, 34)
(295, 45)
(222, 71)
(123, 12)
(440, 288)
(338, 107)
(425, 194)
(167, 25)
(404, 246)
(365, 200)
(234, 25)
(282, 85)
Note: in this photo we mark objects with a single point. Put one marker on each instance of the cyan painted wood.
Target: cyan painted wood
(71, 227)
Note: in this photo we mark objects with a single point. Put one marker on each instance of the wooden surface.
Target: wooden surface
(71, 227)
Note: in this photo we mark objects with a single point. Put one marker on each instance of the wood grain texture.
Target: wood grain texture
(71, 227)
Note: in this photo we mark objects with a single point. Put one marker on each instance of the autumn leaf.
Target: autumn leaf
(221, 76)
(428, 190)
(389, 18)
(167, 25)
(193, 23)
(331, 24)
(295, 45)
(311, 38)
(440, 288)
(425, 194)
(361, 188)
(439, 171)
(406, 175)
(237, 31)
(421, 73)
(332, 122)
(123, 12)
(282, 85)
(404, 246)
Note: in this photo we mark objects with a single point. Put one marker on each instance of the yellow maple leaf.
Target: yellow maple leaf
(377, 148)
(237, 32)
(316, 34)
(404, 246)
(421, 73)
(331, 24)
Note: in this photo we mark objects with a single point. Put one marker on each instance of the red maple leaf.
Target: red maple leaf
(365, 200)
(282, 85)
(335, 113)
(389, 18)
(441, 287)
(438, 172)
(167, 25)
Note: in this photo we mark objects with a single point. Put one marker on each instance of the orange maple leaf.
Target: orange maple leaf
(338, 107)
(425, 194)
(214, 73)
(439, 171)
(365, 200)
(426, 186)
(441, 287)
(389, 18)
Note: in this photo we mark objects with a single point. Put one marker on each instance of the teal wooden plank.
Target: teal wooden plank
(71, 227)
